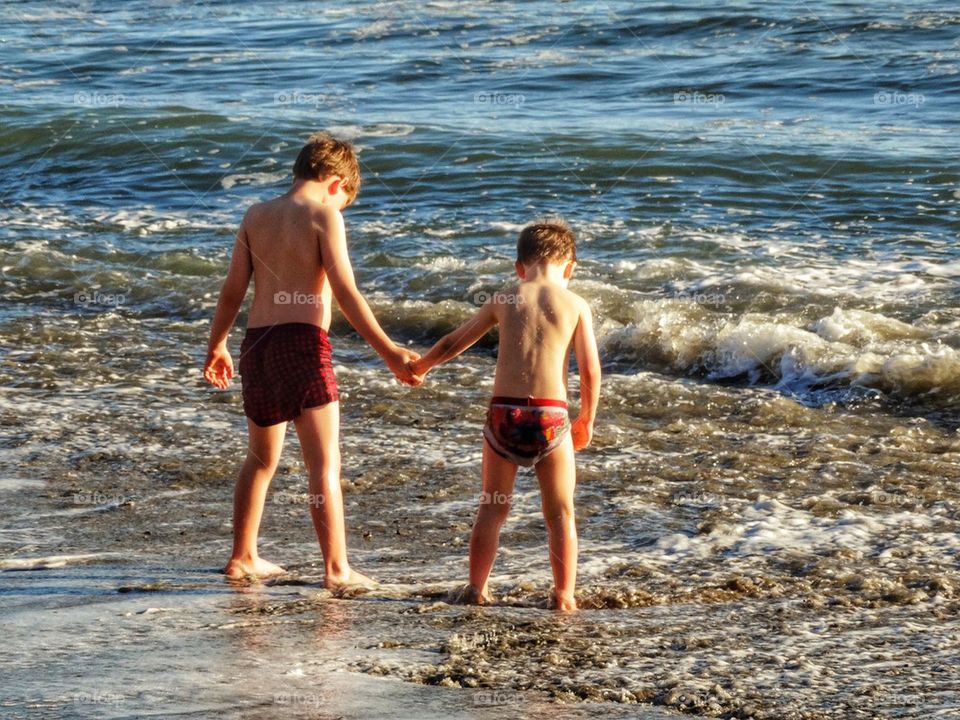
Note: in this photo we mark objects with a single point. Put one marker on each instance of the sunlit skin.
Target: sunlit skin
(539, 319)
(295, 243)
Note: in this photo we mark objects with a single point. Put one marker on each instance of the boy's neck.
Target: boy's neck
(311, 190)
(545, 272)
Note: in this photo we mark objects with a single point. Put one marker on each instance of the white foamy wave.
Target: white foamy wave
(858, 327)
(507, 227)
(18, 484)
(145, 220)
(376, 29)
(355, 132)
(256, 179)
(849, 348)
(855, 279)
(445, 263)
(440, 232)
(50, 561)
(768, 526)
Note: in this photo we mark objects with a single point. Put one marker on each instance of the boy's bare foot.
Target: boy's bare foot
(352, 579)
(562, 603)
(239, 569)
(470, 595)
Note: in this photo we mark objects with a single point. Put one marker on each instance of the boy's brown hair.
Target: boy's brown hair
(548, 240)
(325, 155)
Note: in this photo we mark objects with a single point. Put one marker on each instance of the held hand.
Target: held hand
(400, 362)
(582, 432)
(418, 368)
(218, 368)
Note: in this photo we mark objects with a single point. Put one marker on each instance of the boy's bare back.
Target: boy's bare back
(285, 238)
(295, 249)
(538, 322)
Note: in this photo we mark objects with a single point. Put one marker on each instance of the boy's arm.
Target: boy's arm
(454, 343)
(218, 367)
(336, 263)
(588, 363)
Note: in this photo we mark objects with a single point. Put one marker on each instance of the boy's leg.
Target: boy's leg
(498, 477)
(263, 454)
(319, 432)
(557, 476)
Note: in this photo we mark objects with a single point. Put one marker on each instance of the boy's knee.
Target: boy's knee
(495, 509)
(325, 469)
(560, 519)
(262, 462)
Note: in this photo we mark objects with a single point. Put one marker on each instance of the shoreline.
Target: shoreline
(209, 643)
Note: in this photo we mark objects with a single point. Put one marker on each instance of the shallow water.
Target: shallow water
(766, 201)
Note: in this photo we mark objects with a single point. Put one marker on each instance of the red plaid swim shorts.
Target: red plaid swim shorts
(285, 369)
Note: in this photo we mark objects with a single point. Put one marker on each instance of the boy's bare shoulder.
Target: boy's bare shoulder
(254, 211)
(259, 212)
(574, 300)
(578, 299)
(321, 216)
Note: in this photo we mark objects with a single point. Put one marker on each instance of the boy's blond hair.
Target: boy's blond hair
(548, 240)
(325, 155)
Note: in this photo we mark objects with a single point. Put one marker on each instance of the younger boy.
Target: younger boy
(527, 422)
(295, 247)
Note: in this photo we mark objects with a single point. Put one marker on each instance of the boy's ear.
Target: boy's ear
(334, 185)
(521, 270)
(568, 269)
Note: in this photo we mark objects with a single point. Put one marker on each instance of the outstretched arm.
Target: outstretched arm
(336, 263)
(454, 343)
(218, 367)
(588, 363)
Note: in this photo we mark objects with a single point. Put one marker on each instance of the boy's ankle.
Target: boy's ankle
(562, 601)
(337, 569)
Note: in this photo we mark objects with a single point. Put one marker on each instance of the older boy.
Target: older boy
(527, 422)
(295, 248)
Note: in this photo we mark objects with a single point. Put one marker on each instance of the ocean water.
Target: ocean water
(766, 198)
